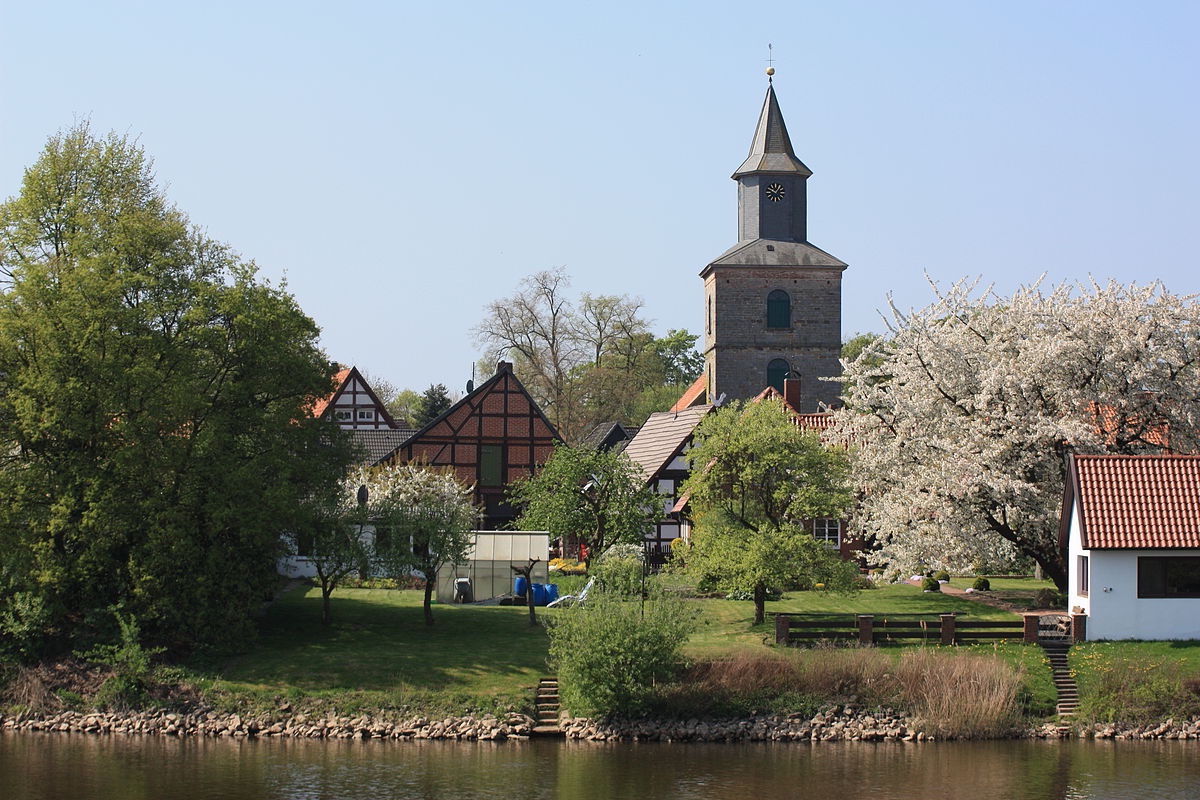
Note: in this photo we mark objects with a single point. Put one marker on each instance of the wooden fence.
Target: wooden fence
(869, 629)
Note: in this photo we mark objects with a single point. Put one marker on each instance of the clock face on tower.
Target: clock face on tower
(775, 192)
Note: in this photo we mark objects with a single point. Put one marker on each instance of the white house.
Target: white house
(1131, 525)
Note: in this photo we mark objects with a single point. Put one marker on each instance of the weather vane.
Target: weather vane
(770, 62)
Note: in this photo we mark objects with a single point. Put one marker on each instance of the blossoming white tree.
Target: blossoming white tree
(423, 519)
(960, 419)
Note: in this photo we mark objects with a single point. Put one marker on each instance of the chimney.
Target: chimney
(791, 392)
(503, 366)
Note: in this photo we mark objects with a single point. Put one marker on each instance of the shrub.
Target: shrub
(609, 658)
(863, 582)
(931, 585)
(748, 594)
(981, 585)
(130, 663)
(941, 575)
(1049, 598)
(619, 571)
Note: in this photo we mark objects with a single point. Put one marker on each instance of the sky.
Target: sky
(401, 165)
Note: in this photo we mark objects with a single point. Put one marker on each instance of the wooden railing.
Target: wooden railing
(869, 629)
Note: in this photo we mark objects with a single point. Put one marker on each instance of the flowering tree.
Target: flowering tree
(961, 418)
(423, 519)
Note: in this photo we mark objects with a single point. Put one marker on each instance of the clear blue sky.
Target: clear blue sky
(403, 164)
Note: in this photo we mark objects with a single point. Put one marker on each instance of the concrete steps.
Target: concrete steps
(546, 701)
(1064, 683)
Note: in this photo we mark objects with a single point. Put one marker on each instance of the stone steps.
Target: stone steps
(1064, 682)
(547, 705)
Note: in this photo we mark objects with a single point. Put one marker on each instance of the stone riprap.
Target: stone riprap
(486, 727)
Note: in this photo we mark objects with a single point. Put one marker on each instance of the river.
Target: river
(74, 767)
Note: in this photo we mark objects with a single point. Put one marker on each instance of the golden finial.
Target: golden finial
(770, 71)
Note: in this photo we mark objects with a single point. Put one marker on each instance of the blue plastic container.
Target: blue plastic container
(520, 584)
(551, 593)
(539, 594)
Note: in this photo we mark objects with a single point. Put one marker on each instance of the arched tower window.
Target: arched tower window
(779, 309)
(777, 370)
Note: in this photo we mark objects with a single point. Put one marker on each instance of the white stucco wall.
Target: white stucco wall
(1112, 605)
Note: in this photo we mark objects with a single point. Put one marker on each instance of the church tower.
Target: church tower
(773, 302)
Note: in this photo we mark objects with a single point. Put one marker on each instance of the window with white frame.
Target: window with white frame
(342, 415)
(366, 413)
(1081, 578)
(828, 531)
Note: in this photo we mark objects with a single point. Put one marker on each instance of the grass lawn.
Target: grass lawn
(379, 643)
(378, 651)
(727, 625)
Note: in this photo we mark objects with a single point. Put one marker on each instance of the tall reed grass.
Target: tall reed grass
(960, 695)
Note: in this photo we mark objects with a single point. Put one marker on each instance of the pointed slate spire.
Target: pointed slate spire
(771, 148)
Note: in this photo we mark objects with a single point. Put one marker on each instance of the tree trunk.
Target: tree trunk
(760, 602)
(326, 590)
(429, 585)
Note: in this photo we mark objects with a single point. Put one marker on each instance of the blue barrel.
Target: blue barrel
(539, 594)
(551, 592)
(520, 584)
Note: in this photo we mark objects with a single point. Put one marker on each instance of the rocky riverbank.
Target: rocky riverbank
(838, 723)
(202, 722)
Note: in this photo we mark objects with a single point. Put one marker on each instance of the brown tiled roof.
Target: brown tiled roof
(1116, 426)
(339, 379)
(1137, 501)
(693, 395)
(816, 421)
(664, 433)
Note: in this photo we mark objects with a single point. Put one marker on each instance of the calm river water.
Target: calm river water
(62, 767)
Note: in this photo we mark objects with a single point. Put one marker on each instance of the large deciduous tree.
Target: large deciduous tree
(757, 480)
(586, 360)
(961, 417)
(595, 496)
(153, 402)
(423, 519)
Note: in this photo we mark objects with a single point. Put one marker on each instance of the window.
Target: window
(342, 415)
(1168, 576)
(708, 319)
(828, 531)
(1081, 575)
(777, 370)
(779, 309)
(491, 465)
(366, 413)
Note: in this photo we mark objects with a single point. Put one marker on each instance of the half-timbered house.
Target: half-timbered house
(490, 438)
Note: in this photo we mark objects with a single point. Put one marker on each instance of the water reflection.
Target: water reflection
(58, 767)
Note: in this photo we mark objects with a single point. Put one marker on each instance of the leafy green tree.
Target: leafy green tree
(594, 495)
(756, 479)
(678, 358)
(151, 388)
(433, 402)
(404, 406)
(423, 519)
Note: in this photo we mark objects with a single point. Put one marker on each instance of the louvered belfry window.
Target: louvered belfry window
(779, 309)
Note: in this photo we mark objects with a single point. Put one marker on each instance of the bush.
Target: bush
(1049, 598)
(619, 572)
(130, 663)
(941, 575)
(609, 658)
(863, 582)
(981, 585)
(748, 594)
(931, 585)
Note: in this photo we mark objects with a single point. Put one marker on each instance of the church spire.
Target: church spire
(771, 148)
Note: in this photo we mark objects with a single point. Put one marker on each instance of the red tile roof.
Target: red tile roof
(815, 421)
(1137, 501)
(693, 395)
(318, 409)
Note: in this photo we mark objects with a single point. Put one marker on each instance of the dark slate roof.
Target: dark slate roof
(775, 253)
(605, 436)
(660, 439)
(771, 148)
(380, 442)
